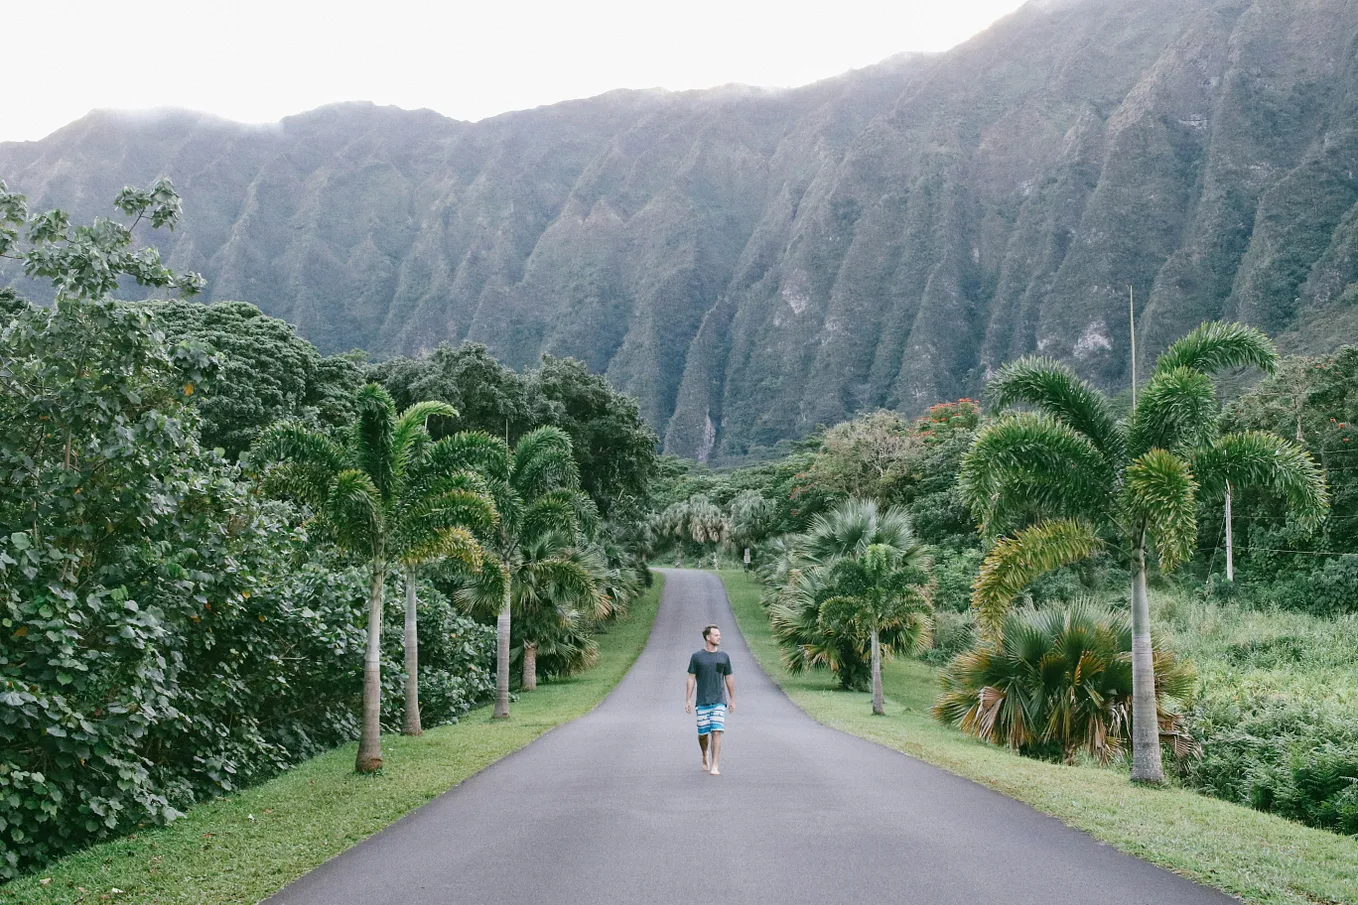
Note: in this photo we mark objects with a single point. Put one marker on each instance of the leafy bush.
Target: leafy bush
(1058, 682)
(954, 633)
(1293, 758)
(167, 637)
(457, 661)
(1329, 590)
(953, 575)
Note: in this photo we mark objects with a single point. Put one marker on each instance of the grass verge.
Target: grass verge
(1263, 859)
(243, 848)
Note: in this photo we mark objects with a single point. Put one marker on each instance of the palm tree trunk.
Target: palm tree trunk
(370, 736)
(878, 705)
(1146, 766)
(412, 725)
(530, 666)
(502, 656)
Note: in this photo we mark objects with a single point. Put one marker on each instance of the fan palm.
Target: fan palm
(383, 495)
(1060, 677)
(877, 591)
(1069, 480)
(536, 487)
(556, 596)
(804, 574)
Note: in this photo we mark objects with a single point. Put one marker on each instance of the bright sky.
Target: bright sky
(256, 61)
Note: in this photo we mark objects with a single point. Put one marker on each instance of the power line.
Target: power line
(1298, 552)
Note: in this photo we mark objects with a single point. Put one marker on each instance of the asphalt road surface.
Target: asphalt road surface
(614, 807)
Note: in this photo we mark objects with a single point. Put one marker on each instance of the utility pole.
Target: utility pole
(1131, 319)
(1230, 552)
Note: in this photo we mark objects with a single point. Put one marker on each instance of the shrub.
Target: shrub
(457, 661)
(1329, 590)
(953, 575)
(1293, 758)
(1058, 682)
(953, 633)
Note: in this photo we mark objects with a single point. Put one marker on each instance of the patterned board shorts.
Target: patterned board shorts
(711, 718)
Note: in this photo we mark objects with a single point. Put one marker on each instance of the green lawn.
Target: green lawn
(1258, 857)
(246, 847)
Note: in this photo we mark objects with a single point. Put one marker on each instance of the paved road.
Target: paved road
(614, 808)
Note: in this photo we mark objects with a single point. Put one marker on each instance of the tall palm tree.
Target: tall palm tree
(1069, 480)
(877, 590)
(536, 487)
(441, 508)
(379, 495)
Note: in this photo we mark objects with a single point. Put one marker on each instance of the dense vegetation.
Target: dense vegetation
(1254, 677)
(752, 264)
(181, 619)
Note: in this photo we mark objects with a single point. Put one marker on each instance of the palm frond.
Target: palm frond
(1162, 495)
(1052, 387)
(293, 442)
(472, 451)
(554, 511)
(1176, 411)
(1216, 346)
(411, 431)
(1034, 461)
(851, 528)
(543, 461)
(1015, 562)
(353, 510)
(1265, 460)
(373, 428)
(457, 545)
(483, 596)
(425, 518)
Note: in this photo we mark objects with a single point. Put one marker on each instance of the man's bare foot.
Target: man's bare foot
(706, 768)
(714, 771)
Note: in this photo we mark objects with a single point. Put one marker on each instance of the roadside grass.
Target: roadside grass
(241, 849)
(1263, 859)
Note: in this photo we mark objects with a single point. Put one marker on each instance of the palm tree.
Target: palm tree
(380, 495)
(805, 580)
(1070, 480)
(440, 510)
(556, 596)
(876, 591)
(536, 487)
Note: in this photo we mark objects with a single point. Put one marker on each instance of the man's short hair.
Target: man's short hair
(707, 630)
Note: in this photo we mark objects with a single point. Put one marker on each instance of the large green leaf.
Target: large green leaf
(1033, 463)
(1016, 561)
(1053, 387)
(1217, 346)
(1265, 460)
(1162, 499)
(1177, 410)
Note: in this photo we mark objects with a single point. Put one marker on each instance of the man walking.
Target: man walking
(709, 674)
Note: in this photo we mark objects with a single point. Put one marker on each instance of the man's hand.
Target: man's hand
(730, 706)
(688, 706)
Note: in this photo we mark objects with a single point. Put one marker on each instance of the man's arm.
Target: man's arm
(688, 692)
(730, 693)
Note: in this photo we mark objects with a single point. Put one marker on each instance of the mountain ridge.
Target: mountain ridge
(751, 263)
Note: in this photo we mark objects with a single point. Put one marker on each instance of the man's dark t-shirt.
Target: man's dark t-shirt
(709, 667)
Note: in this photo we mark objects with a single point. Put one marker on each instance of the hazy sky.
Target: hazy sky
(259, 61)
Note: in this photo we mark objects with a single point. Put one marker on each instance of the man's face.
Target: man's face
(714, 637)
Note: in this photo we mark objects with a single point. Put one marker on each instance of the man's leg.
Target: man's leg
(716, 750)
(702, 743)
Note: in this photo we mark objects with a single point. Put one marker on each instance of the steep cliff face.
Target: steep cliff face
(753, 263)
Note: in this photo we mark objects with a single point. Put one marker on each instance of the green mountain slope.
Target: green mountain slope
(751, 263)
